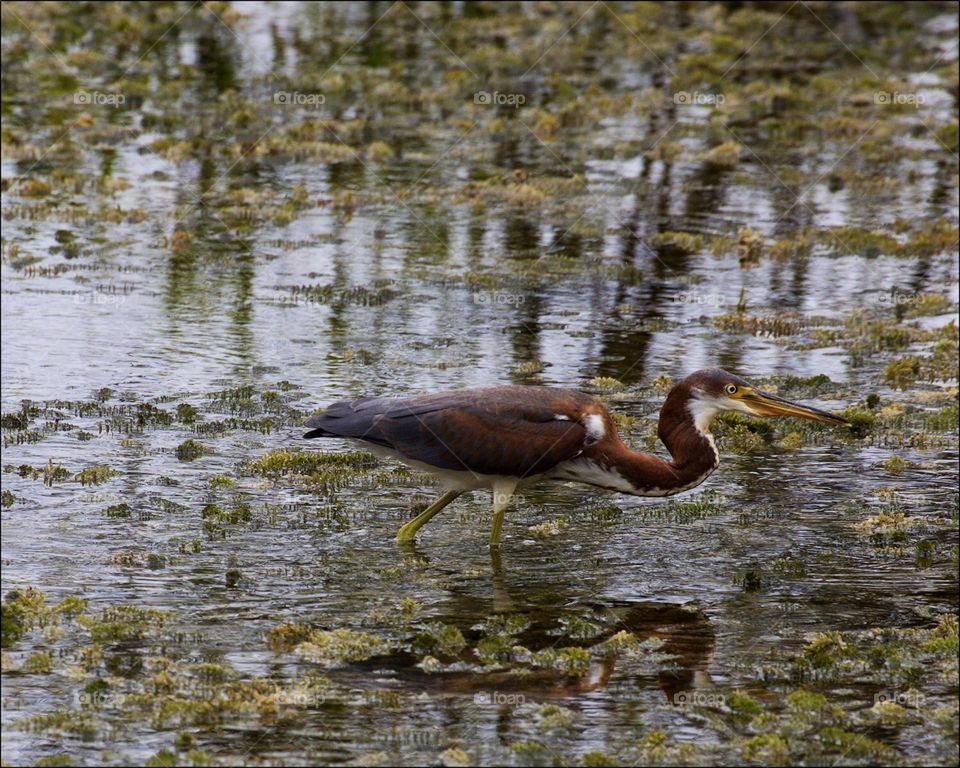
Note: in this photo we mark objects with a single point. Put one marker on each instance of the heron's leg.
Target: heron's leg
(502, 600)
(409, 529)
(502, 491)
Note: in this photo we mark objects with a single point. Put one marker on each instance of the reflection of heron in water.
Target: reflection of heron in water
(685, 631)
(501, 437)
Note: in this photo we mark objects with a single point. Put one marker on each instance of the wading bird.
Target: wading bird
(502, 437)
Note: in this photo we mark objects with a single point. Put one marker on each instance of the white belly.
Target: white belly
(585, 471)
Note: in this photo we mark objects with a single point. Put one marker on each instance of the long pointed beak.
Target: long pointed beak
(765, 404)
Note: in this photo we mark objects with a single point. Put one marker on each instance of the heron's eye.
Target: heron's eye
(731, 389)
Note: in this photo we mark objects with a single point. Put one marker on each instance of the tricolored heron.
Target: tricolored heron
(502, 437)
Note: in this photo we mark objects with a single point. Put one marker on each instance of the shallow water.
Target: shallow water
(399, 271)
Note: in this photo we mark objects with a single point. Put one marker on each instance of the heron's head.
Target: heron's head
(713, 390)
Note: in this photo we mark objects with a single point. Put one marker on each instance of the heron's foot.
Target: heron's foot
(408, 531)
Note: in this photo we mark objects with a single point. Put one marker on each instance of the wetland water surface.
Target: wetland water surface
(218, 218)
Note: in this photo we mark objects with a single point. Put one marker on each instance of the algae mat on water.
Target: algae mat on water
(220, 217)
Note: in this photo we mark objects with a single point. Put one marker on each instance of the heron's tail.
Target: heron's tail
(349, 418)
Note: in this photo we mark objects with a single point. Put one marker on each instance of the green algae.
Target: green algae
(821, 99)
(774, 325)
(214, 515)
(439, 640)
(606, 384)
(12, 628)
(120, 510)
(61, 722)
(766, 748)
(286, 637)
(743, 706)
(338, 646)
(232, 577)
(28, 609)
(623, 642)
(39, 663)
(285, 462)
(573, 660)
(598, 759)
(222, 482)
(189, 450)
(124, 622)
(187, 414)
(682, 243)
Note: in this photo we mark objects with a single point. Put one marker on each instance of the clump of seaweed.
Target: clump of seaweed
(189, 450)
(339, 646)
(682, 243)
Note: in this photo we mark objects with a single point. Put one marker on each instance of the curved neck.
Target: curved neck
(684, 428)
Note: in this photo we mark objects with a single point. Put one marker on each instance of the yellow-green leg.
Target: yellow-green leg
(497, 527)
(502, 492)
(409, 530)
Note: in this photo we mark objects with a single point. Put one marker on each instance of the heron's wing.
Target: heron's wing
(514, 431)
(475, 440)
